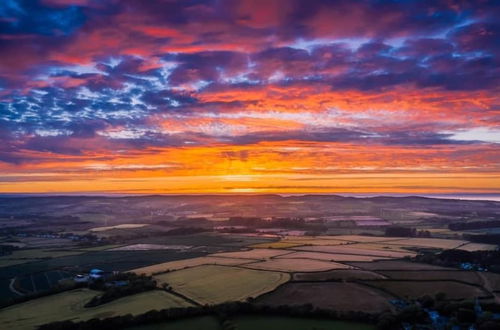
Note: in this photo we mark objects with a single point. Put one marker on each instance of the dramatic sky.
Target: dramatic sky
(195, 96)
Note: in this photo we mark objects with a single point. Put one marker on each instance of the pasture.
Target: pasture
(416, 289)
(351, 249)
(122, 226)
(329, 295)
(436, 243)
(296, 265)
(276, 245)
(253, 254)
(330, 256)
(396, 265)
(217, 284)
(338, 275)
(435, 275)
(70, 306)
(188, 263)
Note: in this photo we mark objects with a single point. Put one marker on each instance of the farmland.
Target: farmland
(215, 284)
(198, 261)
(188, 263)
(416, 289)
(329, 295)
(296, 265)
(70, 305)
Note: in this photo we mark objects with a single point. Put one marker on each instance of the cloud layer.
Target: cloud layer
(199, 95)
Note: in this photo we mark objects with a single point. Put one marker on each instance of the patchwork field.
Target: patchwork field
(351, 249)
(443, 275)
(430, 243)
(253, 254)
(296, 265)
(216, 284)
(366, 239)
(471, 247)
(70, 306)
(416, 289)
(188, 263)
(122, 226)
(276, 245)
(329, 256)
(396, 265)
(329, 295)
(338, 275)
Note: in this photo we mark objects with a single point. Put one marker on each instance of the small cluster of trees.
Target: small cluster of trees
(398, 231)
(132, 284)
(471, 225)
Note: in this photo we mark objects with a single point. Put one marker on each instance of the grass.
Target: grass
(465, 276)
(295, 323)
(350, 249)
(437, 243)
(253, 254)
(70, 306)
(396, 265)
(195, 323)
(296, 265)
(338, 275)
(471, 247)
(276, 245)
(329, 256)
(217, 284)
(329, 295)
(188, 263)
(416, 289)
(122, 226)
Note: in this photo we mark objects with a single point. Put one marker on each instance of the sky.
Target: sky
(249, 96)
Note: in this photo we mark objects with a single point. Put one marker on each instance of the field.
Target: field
(216, 284)
(351, 249)
(338, 275)
(329, 295)
(253, 254)
(396, 265)
(69, 305)
(366, 239)
(294, 323)
(436, 243)
(276, 245)
(188, 263)
(30, 255)
(329, 256)
(415, 289)
(471, 247)
(296, 265)
(443, 275)
(122, 226)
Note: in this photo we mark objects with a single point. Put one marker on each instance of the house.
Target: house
(96, 274)
(81, 278)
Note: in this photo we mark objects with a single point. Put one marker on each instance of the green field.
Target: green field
(295, 323)
(211, 284)
(70, 306)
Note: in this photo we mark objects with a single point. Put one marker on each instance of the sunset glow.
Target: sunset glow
(249, 96)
